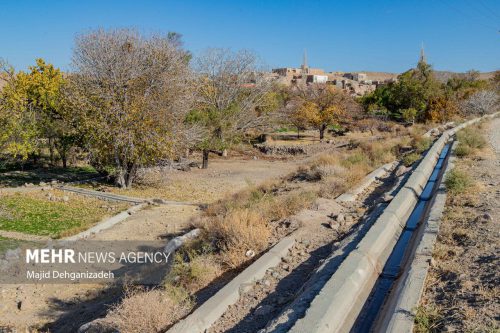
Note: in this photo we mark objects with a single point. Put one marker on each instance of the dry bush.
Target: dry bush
(243, 199)
(472, 138)
(421, 143)
(411, 158)
(194, 272)
(332, 188)
(148, 311)
(458, 181)
(285, 205)
(379, 152)
(236, 232)
(152, 177)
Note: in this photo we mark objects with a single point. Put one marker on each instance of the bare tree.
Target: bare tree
(480, 103)
(231, 97)
(129, 95)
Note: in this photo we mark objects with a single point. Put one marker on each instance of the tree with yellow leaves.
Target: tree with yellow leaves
(318, 105)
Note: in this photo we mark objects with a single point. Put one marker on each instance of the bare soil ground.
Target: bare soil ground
(223, 177)
(463, 287)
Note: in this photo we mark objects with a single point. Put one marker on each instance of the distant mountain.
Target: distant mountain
(442, 76)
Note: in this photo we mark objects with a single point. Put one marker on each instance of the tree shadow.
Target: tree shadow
(15, 178)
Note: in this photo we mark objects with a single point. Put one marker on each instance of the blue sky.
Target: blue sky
(377, 35)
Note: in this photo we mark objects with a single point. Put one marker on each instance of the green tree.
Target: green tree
(413, 90)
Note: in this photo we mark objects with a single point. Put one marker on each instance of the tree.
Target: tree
(32, 100)
(231, 98)
(320, 105)
(441, 108)
(481, 103)
(129, 95)
(409, 115)
(18, 116)
(44, 94)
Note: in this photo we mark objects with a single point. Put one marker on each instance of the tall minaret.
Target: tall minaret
(305, 68)
(422, 54)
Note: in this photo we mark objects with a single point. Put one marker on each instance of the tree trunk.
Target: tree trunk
(298, 133)
(204, 165)
(322, 131)
(51, 151)
(130, 176)
(64, 161)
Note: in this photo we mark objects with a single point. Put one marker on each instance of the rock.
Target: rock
(275, 275)
(19, 305)
(435, 132)
(255, 157)
(487, 217)
(97, 326)
(250, 253)
(349, 218)
(54, 182)
(42, 184)
(158, 201)
(334, 225)
(401, 170)
(387, 197)
(263, 310)
(340, 218)
(245, 288)
(267, 283)
(65, 198)
(432, 262)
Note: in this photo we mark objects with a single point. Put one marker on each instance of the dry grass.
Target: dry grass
(461, 287)
(192, 271)
(148, 311)
(237, 232)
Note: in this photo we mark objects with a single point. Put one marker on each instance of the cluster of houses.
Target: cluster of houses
(356, 84)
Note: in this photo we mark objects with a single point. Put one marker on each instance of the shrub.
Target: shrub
(411, 158)
(379, 152)
(428, 319)
(148, 311)
(355, 158)
(238, 231)
(472, 138)
(421, 144)
(457, 181)
(194, 272)
(463, 150)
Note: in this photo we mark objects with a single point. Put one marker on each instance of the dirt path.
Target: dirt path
(463, 286)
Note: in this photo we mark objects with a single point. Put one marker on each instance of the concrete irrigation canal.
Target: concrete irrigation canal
(347, 283)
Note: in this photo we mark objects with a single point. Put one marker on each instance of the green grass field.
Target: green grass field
(33, 213)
